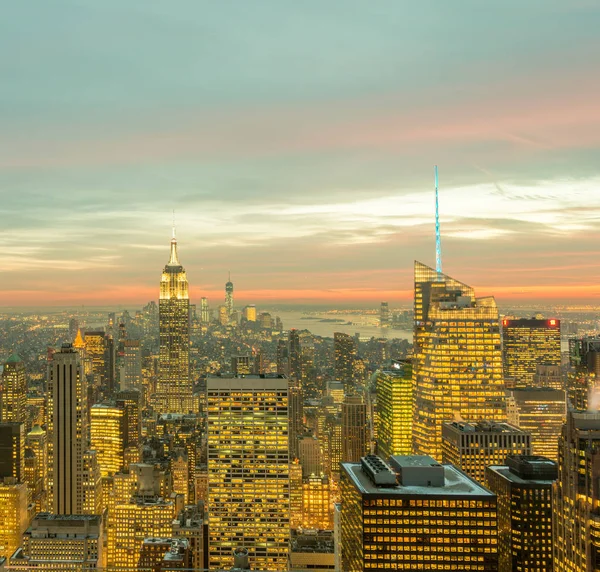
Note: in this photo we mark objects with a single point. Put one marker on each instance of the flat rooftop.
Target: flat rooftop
(505, 472)
(456, 483)
(482, 427)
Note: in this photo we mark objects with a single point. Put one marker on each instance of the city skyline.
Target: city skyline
(304, 167)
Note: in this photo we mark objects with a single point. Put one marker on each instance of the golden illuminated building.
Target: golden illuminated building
(317, 509)
(95, 356)
(395, 410)
(528, 343)
(474, 446)
(189, 524)
(228, 296)
(524, 491)
(13, 514)
(541, 412)
(180, 473)
(576, 495)
(457, 364)
(174, 386)
(65, 543)
(345, 353)
(93, 494)
(296, 492)
(35, 443)
(249, 313)
(67, 431)
(14, 391)
(107, 437)
(133, 521)
(248, 470)
(415, 515)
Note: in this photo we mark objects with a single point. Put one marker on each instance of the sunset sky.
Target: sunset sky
(296, 143)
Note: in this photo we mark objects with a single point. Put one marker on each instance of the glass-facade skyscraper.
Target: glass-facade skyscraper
(174, 387)
(457, 366)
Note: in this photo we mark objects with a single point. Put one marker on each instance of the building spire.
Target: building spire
(438, 238)
(174, 259)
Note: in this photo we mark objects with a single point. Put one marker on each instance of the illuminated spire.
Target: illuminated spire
(174, 259)
(79, 343)
(438, 239)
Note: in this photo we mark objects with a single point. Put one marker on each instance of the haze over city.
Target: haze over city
(296, 146)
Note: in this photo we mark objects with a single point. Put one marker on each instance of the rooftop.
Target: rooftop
(456, 483)
(482, 427)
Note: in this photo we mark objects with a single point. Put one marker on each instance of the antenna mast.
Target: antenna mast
(438, 239)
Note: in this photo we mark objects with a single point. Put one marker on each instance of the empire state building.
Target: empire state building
(174, 387)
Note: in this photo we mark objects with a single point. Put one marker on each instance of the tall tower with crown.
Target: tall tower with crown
(229, 296)
(174, 388)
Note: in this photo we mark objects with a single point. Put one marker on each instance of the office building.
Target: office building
(14, 391)
(174, 386)
(296, 408)
(584, 377)
(576, 496)
(415, 514)
(528, 343)
(474, 446)
(245, 364)
(13, 514)
(395, 410)
(524, 491)
(36, 450)
(316, 503)
(548, 376)
(384, 315)
(312, 550)
(190, 524)
(130, 522)
(229, 296)
(131, 369)
(355, 442)
(204, 311)
(93, 497)
(457, 364)
(107, 437)
(294, 350)
(540, 412)
(158, 554)
(249, 313)
(12, 451)
(345, 353)
(69, 543)
(95, 353)
(67, 431)
(248, 486)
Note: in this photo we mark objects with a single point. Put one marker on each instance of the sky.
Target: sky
(295, 142)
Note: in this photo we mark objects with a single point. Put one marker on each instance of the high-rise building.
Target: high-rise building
(296, 494)
(67, 431)
(395, 410)
(174, 386)
(457, 364)
(14, 391)
(415, 515)
(354, 429)
(248, 470)
(541, 412)
(95, 352)
(309, 453)
(131, 370)
(384, 315)
(204, 311)
(316, 503)
(474, 446)
(528, 343)
(229, 296)
(245, 364)
(107, 437)
(296, 408)
(548, 376)
(12, 451)
(190, 525)
(345, 353)
(36, 446)
(13, 514)
(576, 496)
(524, 490)
(584, 377)
(69, 543)
(92, 482)
(249, 313)
(294, 355)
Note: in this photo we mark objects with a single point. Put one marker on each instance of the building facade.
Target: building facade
(174, 386)
(248, 470)
(415, 515)
(457, 364)
(355, 442)
(14, 391)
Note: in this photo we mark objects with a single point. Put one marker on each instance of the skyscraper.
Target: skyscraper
(524, 490)
(541, 412)
(204, 311)
(457, 365)
(344, 347)
(576, 496)
(248, 470)
(131, 371)
(14, 392)
(296, 409)
(384, 315)
(12, 451)
(294, 355)
(528, 343)
(67, 431)
(229, 296)
(174, 386)
(474, 446)
(415, 515)
(394, 406)
(354, 430)
(107, 437)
